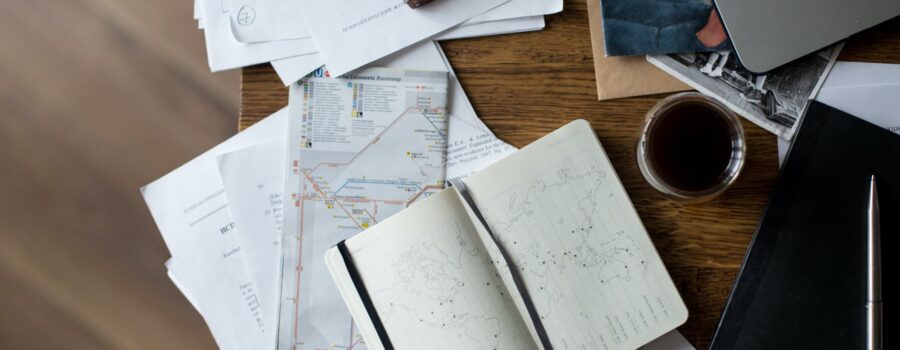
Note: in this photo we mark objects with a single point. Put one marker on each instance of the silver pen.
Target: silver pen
(873, 295)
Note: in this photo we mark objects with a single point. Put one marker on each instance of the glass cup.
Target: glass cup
(691, 147)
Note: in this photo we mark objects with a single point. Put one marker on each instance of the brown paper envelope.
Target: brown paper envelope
(624, 76)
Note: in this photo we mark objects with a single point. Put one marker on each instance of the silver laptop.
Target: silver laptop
(769, 33)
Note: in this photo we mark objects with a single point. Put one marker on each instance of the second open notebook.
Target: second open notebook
(434, 277)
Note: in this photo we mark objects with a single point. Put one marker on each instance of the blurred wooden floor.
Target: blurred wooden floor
(98, 98)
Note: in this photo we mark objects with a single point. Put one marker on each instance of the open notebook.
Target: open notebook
(542, 249)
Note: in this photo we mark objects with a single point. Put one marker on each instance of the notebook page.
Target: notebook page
(432, 282)
(585, 258)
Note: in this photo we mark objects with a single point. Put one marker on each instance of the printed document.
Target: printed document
(253, 179)
(191, 211)
(350, 34)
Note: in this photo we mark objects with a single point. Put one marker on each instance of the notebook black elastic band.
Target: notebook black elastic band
(511, 267)
(364, 295)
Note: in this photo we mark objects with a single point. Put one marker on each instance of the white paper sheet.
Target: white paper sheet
(669, 341)
(507, 26)
(518, 9)
(225, 52)
(191, 211)
(869, 91)
(253, 179)
(170, 266)
(266, 20)
(198, 13)
(472, 145)
(292, 69)
(352, 34)
(851, 74)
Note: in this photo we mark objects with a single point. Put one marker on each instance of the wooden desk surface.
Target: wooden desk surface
(526, 85)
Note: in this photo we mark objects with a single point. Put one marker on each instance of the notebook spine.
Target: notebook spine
(514, 272)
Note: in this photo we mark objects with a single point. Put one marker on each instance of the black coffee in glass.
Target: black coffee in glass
(692, 147)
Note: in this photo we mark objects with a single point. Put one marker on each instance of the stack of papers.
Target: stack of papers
(298, 37)
(376, 122)
(222, 214)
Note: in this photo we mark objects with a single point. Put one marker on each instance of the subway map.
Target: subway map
(362, 149)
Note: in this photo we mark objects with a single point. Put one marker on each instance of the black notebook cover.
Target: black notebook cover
(803, 282)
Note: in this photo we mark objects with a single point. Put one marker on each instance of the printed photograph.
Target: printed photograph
(774, 101)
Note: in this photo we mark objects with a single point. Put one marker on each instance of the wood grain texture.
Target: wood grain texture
(526, 85)
(98, 98)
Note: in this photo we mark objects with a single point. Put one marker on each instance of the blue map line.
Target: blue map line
(435, 126)
(378, 182)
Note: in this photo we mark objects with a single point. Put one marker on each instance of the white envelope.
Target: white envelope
(266, 20)
(350, 34)
(517, 9)
(506, 26)
(225, 52)
(292, 69)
